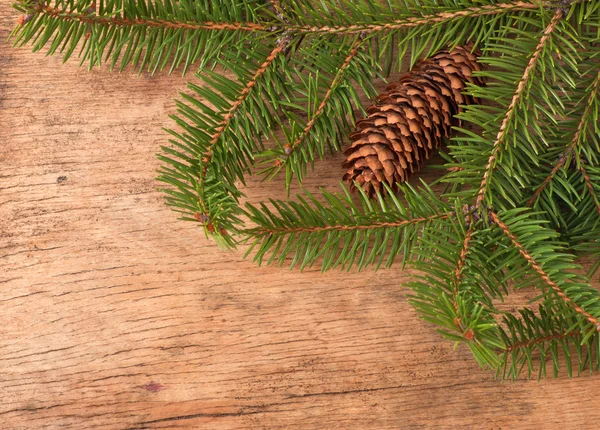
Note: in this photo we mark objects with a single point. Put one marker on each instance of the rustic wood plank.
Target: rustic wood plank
(117, 315)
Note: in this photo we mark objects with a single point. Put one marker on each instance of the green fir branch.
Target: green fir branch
(209, 154)
(518, 126)
(340, 233)
(553, 265)
(533, 340)
(410, 18)
(151, 34)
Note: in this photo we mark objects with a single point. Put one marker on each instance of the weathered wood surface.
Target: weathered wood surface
(117, 315)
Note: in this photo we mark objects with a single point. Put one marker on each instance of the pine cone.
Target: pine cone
(409, 121)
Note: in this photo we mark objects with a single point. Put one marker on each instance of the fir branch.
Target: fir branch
(461, 314)
(547, 333)
(575, 142)
(215, 146)
(562, 159)
(538, 268)
(324, 80)
(206, 156)
(462, 259)
(463, 252)
(150, 33)
(366, 28)
(590, 187)
(72, 16)
(275, 231)
(414, 21)
(336, 81)
(510, 111)
(340, 232)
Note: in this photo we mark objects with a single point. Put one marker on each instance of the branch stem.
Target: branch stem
(287, 230)
(321, 108)
(510, 112)
(535, 265)
(458, 272)
(367, 28)
(590, 186)
(124, 22)
(206, 156)
(412, 22)
(535, 341)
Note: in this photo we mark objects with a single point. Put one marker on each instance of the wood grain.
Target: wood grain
(116, 315)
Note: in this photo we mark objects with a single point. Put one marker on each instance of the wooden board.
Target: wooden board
(117, 315)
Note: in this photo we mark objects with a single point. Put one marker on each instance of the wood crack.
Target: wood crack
(341, 393)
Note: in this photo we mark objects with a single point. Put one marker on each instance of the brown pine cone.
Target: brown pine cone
(410, 120)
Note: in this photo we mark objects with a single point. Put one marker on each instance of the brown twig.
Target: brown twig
(458, 272)
(590, 186)
(531, 342)
(561, 161)
(426, 20)
(534, 264)
(511, 108)
(367, 28)
(463, 254)
(287, 230)
(124, 22)
(206, 156)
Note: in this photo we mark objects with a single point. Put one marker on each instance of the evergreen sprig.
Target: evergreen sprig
(341, 232)
(277, 86)
(531, 340)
